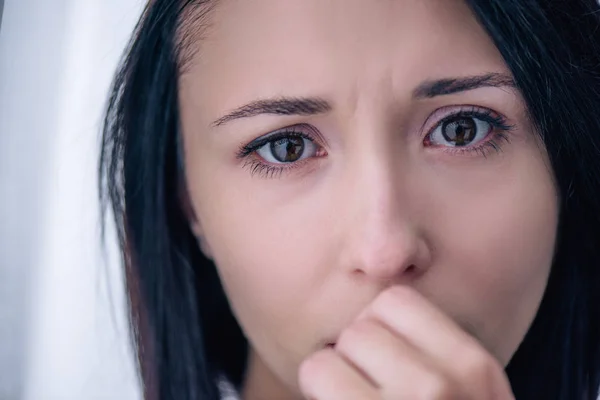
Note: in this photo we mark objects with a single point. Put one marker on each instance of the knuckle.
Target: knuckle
(478, 364)
(475, 361)
(392, 298)
(481, 367)
(314, 367)
(357, 331)
(384, 301)
(435, 386)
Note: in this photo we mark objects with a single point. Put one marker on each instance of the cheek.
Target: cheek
(268, 254)
(495, 250)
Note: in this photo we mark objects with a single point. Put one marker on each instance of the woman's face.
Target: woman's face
(335, 148)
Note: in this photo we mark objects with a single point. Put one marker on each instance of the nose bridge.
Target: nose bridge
(379, 194)
(383, 241)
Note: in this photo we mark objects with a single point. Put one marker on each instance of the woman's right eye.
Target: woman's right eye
(287, 149)
(273, 154)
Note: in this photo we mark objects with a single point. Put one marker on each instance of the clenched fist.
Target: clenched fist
(403, 348)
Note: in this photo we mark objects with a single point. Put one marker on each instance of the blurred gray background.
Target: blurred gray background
(62, 322)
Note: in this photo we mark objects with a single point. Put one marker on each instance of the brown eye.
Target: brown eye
(288, 149)
(461, 131)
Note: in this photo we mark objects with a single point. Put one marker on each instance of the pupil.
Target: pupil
(460, 132)
(287, 149)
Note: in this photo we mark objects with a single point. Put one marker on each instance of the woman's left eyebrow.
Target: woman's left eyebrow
(447, 86)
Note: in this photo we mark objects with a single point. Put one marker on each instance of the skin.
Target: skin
(424, 263)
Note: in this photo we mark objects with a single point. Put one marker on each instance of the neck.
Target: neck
(261, 384)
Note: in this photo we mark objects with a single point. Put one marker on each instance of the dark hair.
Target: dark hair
(184, 330)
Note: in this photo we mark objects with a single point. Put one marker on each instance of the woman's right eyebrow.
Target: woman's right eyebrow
(317, 105)
(277, 106)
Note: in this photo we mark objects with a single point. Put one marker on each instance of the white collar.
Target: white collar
(227, 390)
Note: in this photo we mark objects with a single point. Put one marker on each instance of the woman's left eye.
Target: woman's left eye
(287, 149)
(469, 130)
(461, 131)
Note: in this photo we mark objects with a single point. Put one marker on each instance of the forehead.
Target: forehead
(263, 48)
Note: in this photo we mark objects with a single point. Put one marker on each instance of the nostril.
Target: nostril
(358, 272)
(408, 273)
(411, 269)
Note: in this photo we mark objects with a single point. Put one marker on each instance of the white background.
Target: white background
(63, 332)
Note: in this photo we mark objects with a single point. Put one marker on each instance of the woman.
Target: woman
(355, 199)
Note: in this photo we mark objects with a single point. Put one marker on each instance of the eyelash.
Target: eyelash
(494, 141)
(263, 168)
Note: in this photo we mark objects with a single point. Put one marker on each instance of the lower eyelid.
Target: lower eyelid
(496, 142)
(268, 170)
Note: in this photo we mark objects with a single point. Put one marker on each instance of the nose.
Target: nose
(384, 239)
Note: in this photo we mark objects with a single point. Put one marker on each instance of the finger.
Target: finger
(327, 376)
(410, 315)
(388, 359)
(430, 331)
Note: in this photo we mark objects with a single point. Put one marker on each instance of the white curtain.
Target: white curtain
(63, 328)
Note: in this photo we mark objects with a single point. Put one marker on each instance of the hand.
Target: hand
(403, 348)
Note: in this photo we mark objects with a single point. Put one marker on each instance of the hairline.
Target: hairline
(192, 27)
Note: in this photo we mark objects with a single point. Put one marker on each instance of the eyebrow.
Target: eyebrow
(278, 106)
(315, 105)
(449, 86)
